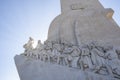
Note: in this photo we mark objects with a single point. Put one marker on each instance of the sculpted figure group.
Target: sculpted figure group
(93, 57)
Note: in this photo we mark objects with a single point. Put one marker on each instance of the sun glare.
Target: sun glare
(35, 44)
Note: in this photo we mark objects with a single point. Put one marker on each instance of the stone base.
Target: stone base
(30, 69)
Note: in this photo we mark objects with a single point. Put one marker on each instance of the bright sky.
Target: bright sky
(20, 19)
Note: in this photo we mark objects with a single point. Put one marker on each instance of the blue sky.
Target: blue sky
(20, 19)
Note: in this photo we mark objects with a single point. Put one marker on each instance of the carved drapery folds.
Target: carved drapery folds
(98, 58)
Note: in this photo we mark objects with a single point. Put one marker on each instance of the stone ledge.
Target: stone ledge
(31, 69)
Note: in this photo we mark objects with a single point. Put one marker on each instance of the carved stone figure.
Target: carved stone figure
(76, 53)
(48, 45)
(85, 60)
(29, 47)
(39, 46)
(56, 55)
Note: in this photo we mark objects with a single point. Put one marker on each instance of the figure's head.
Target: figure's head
(30, 38)
(39, 41)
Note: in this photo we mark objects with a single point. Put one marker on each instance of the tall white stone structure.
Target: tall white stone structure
(83, 21)
(83, 44)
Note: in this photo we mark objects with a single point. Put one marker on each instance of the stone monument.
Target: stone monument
(83, 44)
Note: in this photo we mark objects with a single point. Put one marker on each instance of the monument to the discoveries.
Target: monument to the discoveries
(83, 44)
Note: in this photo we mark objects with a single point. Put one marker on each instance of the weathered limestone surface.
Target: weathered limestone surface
(83, 44)
(61, 61)
(83, 21)
(30, 69)
(68, 5)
